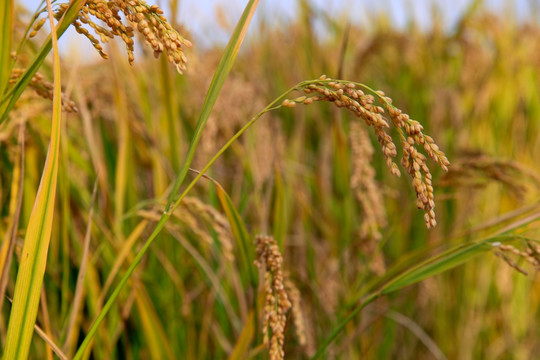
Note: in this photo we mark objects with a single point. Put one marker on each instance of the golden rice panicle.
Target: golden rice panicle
(530, 255)
(344, 94)
(348, 95)
(148, 20)
(412, 138)
(37, 26)
(43, 88)
(277, 303)
(159, 34)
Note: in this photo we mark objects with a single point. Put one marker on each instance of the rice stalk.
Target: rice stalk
(435, 265)
(217, 83)
(8, 245)
(299, 177)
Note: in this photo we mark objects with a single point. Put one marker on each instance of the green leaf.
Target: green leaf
(220, 76)
(280, 216)
(222, 72)
(448, 260)
(6, 32)
(438, 264)
(244, 242)
(245, 338)
(38, 234)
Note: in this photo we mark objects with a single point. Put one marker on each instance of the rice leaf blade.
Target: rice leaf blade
(245, 338)
(241, 235)
(438, 264)
(6, 32)
(222, 72)
(38, 233)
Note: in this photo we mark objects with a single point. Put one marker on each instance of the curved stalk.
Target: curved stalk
(162, 221)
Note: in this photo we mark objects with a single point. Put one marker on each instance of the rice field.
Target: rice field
(358, 192)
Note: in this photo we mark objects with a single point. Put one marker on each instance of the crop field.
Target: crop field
(316, 188)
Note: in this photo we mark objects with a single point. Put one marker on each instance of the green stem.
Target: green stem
(343, 323)
(222, 71)
(161, 224)
(108, 305)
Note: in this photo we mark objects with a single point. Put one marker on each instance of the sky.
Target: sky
(199, 16)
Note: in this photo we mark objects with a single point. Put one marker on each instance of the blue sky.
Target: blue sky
(198, 16)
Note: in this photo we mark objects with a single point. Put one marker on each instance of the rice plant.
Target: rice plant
(231, 202)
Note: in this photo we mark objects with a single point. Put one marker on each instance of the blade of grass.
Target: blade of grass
(241, 235)
(407, 261)
(280, 210)
(15, 207)
(437, 265)
(216, 85)
(213, 278)
(154, 334)
(170, 107)
(96, 155)
(121, 171)
(38, 233)
(55, 348)
(433, 266)
(245, 338)
(121, 256)
(39, 331)
(46, 321)
(78, 296)
(6, 33)
(420, 333)
(221, 74)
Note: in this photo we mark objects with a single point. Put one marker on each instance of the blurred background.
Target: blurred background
(200, 18)
(468, 71)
